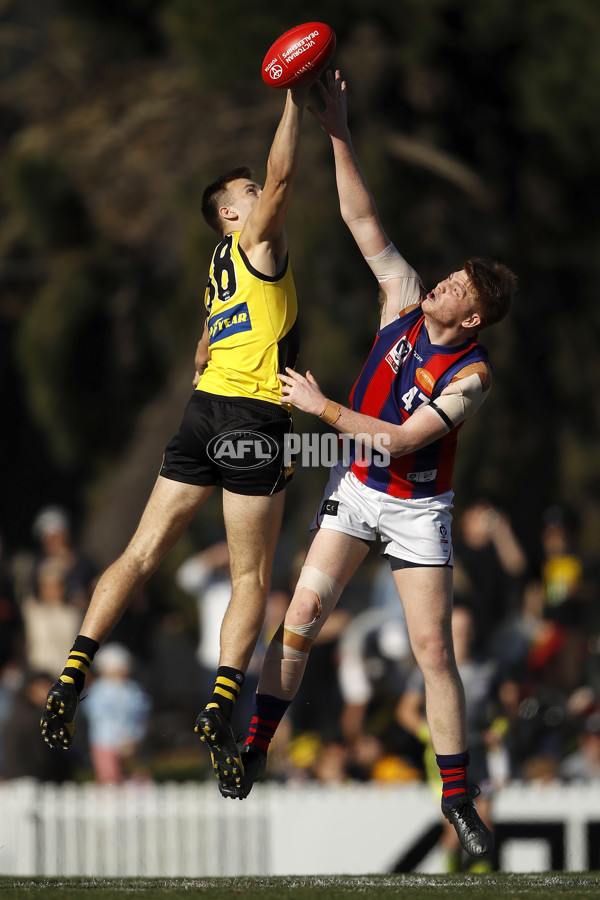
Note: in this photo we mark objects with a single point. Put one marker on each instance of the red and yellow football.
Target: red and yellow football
(298, 55)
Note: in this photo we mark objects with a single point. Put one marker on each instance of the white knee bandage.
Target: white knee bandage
(286, 656)
(328, 592)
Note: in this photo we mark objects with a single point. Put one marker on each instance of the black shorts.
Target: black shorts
(231, 442)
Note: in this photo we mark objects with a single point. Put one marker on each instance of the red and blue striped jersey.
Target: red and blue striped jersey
(403, 371)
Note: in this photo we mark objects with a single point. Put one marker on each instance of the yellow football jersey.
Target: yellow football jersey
(252, 326)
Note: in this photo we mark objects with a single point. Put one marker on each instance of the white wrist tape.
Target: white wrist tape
(390, 264)
(460, 400)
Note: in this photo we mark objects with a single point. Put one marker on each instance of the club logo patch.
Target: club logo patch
(397, 355)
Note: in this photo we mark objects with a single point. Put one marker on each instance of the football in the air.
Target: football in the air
(298, 55)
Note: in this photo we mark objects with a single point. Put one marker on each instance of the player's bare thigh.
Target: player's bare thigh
(426, 594)
(252, 525)
(336, 554)
(170, 508)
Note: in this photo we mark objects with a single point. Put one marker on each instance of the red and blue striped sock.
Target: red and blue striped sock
(453, 769)
(267, 714)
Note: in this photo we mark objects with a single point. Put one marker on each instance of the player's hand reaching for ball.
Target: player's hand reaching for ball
(301, 91)
(334, 117)
(302, 392)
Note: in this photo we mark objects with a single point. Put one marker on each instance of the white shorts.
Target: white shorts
(416, 531)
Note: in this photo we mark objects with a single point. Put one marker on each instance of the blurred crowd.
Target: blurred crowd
(527, 637)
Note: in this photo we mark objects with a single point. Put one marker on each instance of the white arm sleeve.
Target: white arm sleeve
(389, 264)
(459, 400)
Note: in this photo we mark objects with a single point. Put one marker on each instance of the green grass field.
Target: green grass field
(551, 886)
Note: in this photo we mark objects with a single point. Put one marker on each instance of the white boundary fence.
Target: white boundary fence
(189, 830)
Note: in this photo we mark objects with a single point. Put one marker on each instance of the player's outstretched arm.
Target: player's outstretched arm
(357, 205)
(264, 231)
(399, 283)
(419, 430)
(459, 401)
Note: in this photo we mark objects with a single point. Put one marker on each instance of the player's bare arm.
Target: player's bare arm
(357, 205)
(399, 284)
(418, 431)
(263, 237)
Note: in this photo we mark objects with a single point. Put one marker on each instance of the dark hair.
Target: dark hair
(494, 285)
(214, 194)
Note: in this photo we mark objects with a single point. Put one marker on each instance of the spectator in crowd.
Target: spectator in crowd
(206, 576)
(584, 763)
(11, 622)
(11, 679)
(375, 660)
(24, 755)
(561, 568)
(542, 770)
(490, 567)
(532, 719)
(117, 709)
(511, 641)
(330, 763)
(49, 618)
(52, 530)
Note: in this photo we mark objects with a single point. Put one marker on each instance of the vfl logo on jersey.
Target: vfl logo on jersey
(242, 450)
(233, 321)
(398, 354)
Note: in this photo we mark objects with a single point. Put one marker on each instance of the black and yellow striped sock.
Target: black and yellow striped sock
(226, 690)
(79, 661)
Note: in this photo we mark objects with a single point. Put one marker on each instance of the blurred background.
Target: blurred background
(477, 126)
